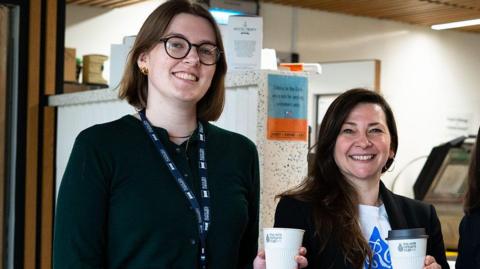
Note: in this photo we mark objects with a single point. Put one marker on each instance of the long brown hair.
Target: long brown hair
(472, 197)
(334, 199)
(134, 85)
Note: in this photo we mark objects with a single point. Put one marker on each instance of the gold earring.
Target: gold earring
(144, 70)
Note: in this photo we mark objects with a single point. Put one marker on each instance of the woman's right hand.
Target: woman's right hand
(301, 259)
(260, 263)
(431, 263)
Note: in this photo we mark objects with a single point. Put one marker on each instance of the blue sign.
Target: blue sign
(287, 97)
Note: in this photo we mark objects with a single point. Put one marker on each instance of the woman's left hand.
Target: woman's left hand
(431, 263)
(259, 262)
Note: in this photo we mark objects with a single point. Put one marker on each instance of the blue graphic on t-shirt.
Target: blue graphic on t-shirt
(380, 251)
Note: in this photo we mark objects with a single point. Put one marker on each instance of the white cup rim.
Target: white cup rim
(407, 238)
(281, 228)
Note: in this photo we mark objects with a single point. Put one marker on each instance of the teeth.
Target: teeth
(362, 157)
(186, 76)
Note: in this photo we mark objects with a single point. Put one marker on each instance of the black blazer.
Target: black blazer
(469, 243)
(402, 213)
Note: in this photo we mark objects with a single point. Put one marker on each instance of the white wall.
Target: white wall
(426, 75)
(72, 119)
(91, 30)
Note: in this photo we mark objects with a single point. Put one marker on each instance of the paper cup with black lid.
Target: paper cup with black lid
(407, 247)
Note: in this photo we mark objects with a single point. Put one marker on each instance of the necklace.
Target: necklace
(186, 146)
(187, 136)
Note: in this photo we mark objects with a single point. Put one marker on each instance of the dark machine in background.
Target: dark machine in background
(443, 182)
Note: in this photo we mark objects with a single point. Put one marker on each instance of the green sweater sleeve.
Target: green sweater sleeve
(80, 219)
(249, 245)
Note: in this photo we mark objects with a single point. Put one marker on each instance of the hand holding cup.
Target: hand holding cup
(282, 246)
(260, 262)
(408, 248)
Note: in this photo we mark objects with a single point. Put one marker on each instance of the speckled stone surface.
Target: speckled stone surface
(84, 97)
(233, 79)
(283, 163)
(243, 78)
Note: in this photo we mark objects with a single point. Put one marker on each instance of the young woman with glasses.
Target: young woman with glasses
(163, 188)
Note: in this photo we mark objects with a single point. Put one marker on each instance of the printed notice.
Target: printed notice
(287, 108)
(244, 42)
(458, 124)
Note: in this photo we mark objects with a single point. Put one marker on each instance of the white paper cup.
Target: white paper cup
(281, 247)
(408, 248)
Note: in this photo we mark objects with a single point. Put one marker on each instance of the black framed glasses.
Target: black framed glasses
(178, 47)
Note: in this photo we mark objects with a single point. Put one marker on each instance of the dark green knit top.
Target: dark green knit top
(119, 206)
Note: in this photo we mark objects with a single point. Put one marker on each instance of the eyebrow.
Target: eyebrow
(181, 35)
(370, 124)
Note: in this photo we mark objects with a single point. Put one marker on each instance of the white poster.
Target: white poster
(243, 43)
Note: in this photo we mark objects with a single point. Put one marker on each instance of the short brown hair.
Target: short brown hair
(134, 85)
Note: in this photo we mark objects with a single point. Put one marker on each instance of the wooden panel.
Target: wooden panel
(32, 143)
(47, 178)
(79, 2)
(124, 3)
(50, 47)
(3, 116)
(420, 12)
(47, 188)
(104, 3)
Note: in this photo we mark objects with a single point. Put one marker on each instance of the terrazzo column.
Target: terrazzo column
(283, 164)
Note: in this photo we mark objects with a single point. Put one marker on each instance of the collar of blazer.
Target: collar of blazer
(395, 214)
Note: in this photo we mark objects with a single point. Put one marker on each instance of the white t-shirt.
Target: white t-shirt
(375, 226)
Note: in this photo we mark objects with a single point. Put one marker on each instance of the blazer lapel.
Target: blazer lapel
(395, 214)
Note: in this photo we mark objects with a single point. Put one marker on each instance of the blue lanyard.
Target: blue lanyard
(202, 210)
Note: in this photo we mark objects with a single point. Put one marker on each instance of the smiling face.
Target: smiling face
(179, 81)
(363, 145)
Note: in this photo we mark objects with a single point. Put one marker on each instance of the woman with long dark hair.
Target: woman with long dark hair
(469, 243)
(342, 204)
